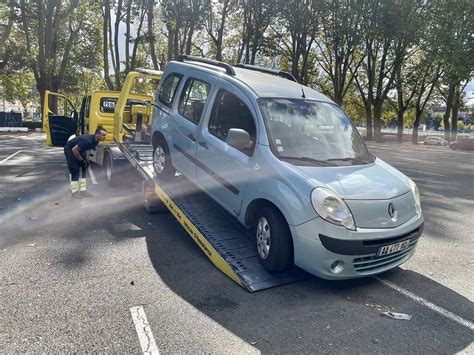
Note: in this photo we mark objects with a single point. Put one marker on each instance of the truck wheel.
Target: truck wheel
(273, 240)
(162, 161)
(109, 170)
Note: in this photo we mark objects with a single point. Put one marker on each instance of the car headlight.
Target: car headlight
(332, 208)
(416, 195)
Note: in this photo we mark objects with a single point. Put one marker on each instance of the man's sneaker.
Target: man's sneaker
(86, 194)
(76, 195)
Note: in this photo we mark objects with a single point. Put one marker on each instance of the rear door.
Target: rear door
(186, 121)
(60, 119)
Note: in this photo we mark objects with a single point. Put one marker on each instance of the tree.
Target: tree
(19, 87)
(453, 35)
(255, 17)
(58, 39)
(182, 18)
(296, 34)
(339, 36)
(216, 23)
(150, 37)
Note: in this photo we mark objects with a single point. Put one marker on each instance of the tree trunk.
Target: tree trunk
(455, 116)
(449, 104)
(400, 114)
(368, 113)
(127, 36)
(170, 43)
(416, 126)
(378, 122)
(151, 35)
(105, 49)
(118, 16)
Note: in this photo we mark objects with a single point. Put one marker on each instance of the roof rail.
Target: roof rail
(280, 73)
(148, 71)
(190, 58)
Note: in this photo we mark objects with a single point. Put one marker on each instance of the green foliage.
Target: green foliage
(19, 87)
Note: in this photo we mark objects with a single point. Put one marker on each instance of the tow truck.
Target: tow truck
(61, 120)
(228, 245)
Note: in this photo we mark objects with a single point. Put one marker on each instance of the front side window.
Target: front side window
(168, 89)
(312, 133)
(193, 99)
(231, 112)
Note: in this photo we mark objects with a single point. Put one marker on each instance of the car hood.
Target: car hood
(375, 181)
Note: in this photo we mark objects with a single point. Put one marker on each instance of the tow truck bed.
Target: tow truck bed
(228, 244)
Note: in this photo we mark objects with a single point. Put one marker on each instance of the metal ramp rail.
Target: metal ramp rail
(228, 244)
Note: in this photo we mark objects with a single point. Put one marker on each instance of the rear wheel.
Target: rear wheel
(273, 240)
(108, 168)
(162, 161)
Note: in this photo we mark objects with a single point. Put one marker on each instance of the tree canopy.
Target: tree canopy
(378, 59)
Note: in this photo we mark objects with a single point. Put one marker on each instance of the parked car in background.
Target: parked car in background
(433, 140)
(465, 144)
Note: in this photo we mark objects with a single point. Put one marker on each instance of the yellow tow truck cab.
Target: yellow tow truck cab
(61, 121)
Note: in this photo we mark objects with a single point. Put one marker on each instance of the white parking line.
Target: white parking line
(11, 156)
(428, 304)
(143, 329)
(92, 175)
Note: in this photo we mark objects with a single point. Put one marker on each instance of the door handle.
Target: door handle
(191, 136)
(204, 145)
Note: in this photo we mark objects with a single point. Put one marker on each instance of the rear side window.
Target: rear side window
(107, 104)
(193, 99)
(231, 112)
(168, 89)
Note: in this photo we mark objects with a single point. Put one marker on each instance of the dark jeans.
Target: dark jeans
(73, 165)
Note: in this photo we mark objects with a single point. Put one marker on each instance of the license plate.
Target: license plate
(393, 248)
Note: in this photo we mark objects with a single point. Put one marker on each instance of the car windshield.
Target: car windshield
(307, 132)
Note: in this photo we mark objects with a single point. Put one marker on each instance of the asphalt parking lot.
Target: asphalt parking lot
(73, 272)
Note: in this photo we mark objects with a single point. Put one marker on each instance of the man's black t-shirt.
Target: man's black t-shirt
(84, 142)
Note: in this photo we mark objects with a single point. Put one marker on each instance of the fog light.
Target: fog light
(337, 267)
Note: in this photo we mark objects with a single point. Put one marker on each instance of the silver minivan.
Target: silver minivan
(288, 163)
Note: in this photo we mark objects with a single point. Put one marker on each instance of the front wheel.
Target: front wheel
(273, 240)
(162, 161)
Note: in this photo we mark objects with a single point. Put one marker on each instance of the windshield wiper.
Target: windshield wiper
(353, 160)
(307, 159)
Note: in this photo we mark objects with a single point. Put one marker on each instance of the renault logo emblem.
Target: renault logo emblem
(391, 210)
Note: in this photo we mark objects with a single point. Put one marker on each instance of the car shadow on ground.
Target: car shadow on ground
(309, 316)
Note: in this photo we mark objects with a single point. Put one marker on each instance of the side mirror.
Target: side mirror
(238, 138)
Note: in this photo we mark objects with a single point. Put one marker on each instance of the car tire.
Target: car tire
(162, 161)
(273, 240)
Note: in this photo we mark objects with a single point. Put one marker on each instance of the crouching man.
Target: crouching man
(76, 152)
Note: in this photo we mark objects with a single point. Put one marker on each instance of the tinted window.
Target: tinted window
(168, 89)
(193, 99)
(231, 112)
(107, 104)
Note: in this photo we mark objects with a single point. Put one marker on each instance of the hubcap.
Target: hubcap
(159, 159)
(263, 237)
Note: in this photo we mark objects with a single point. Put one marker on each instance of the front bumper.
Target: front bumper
(319, 246)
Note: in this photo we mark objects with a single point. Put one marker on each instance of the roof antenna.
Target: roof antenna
(302, 92)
